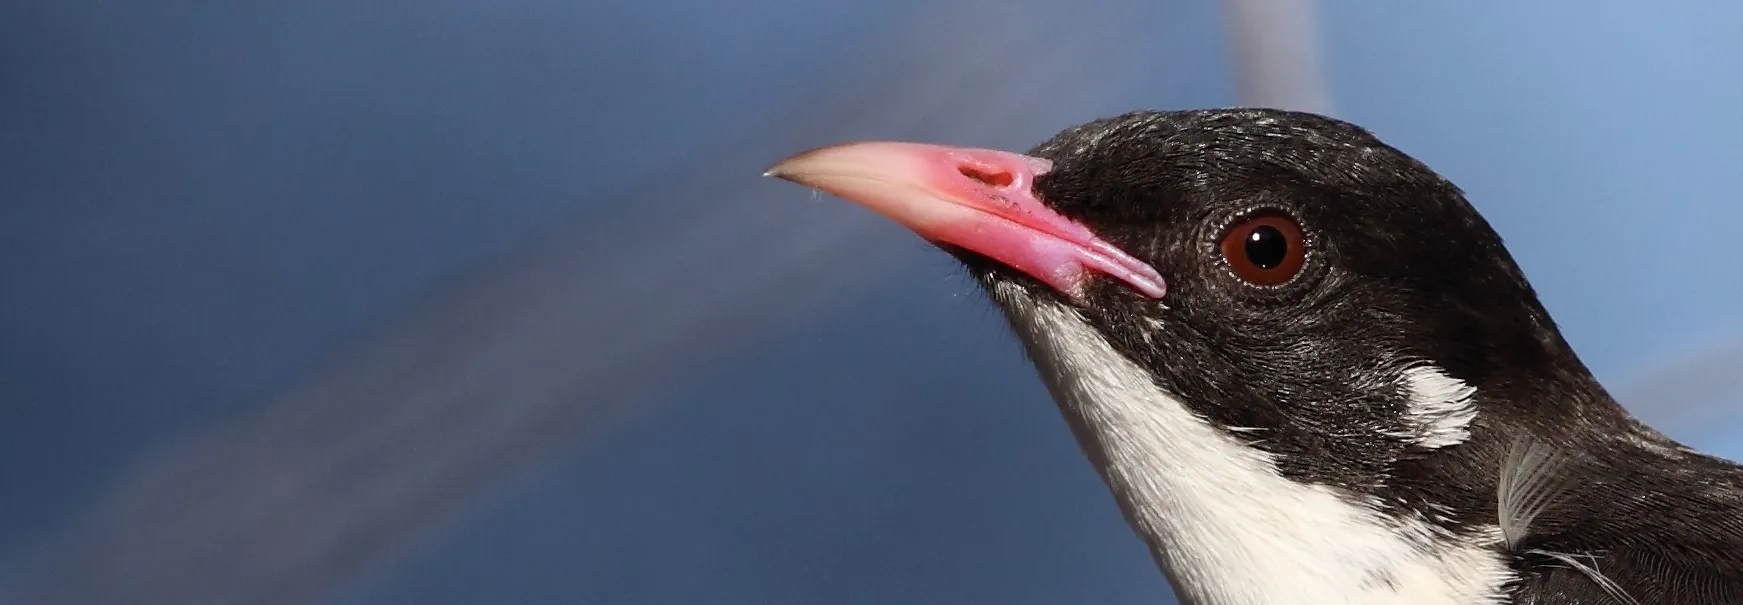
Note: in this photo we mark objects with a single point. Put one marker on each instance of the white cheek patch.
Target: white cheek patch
(1223, 523)
(1440, 410)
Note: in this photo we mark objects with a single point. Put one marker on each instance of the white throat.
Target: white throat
(1225, 526)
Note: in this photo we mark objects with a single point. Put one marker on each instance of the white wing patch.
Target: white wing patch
(1225, 526)
(1440, 409)
(1534, 478)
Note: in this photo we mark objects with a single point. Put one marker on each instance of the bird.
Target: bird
(1306, 368)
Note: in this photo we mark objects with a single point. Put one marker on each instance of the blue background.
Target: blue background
(203, 203)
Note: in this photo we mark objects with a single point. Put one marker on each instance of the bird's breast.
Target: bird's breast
(1224, 525)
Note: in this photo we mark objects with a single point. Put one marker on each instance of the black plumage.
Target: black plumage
(1335, 320)
(1400, 267)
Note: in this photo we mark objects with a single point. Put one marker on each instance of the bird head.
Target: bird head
(1302, 361)
(1281, 273)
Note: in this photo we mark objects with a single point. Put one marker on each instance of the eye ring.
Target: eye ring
(1265, 250)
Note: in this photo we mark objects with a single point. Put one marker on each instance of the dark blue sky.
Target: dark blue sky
(201, 201)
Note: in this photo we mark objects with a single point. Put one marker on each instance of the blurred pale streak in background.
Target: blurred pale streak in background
(1276, 49)
(558, 343)
(1696, 396)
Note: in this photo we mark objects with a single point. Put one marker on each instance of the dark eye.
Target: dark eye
(1265, 250)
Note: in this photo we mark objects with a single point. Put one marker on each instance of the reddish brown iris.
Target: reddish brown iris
(1265, 250)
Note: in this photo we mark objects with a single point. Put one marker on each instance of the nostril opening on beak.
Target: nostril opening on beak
(987, 175)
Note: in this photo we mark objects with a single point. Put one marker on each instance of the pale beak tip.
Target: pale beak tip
(796, 167)
(780, 171)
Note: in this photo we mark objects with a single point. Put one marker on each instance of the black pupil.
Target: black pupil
(1266, 247)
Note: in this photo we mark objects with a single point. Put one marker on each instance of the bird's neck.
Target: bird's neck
(1218, 518)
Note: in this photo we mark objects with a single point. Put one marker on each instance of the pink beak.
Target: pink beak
(977, 199)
